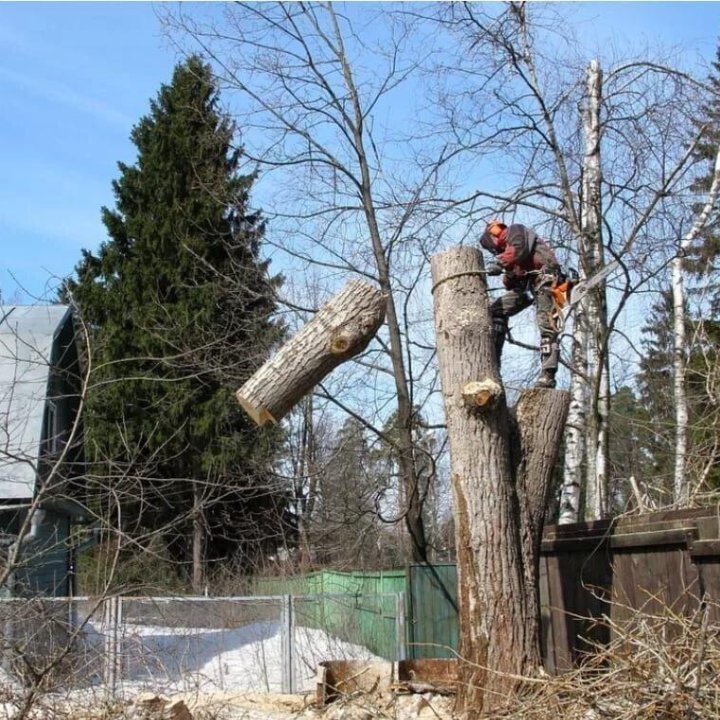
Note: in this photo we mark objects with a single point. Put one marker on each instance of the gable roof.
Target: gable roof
(27, 335)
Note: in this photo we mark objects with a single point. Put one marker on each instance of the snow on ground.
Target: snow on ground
(249, 658)
(234, 674)
(6, 681)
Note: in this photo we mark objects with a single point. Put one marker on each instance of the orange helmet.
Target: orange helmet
(492, 238)
(495, 227)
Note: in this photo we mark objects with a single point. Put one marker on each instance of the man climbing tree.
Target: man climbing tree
(531, 272)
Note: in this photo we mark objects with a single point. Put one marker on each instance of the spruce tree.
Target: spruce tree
(655, 383)
(705, 253)
(347, 532)
(181, 305)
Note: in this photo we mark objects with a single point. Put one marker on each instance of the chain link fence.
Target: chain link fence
(171, 644)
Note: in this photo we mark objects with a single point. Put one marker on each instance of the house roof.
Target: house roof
(27, 334)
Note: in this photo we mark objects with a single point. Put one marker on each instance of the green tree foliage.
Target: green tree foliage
(631, 438)
(347, 532)
(181, 307)
(657, 412)
(704, 396)
(655, 383)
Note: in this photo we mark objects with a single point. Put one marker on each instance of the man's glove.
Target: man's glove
(494, 269)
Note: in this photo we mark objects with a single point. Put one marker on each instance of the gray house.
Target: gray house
(41, 455)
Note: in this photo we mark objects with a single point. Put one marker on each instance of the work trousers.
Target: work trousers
(516, 300)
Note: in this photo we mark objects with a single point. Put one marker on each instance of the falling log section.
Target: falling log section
(341, 329)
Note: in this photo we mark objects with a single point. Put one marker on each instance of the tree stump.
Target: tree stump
(501, 467)
(340, 330)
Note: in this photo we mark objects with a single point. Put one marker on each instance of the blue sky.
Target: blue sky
(75, 77)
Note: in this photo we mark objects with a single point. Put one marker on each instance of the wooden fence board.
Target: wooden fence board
(651, 562)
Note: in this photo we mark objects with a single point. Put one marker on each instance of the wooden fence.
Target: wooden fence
(614, 568)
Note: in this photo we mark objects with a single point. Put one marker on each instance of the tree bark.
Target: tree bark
(197, 542)
(307, 469)
(592, 258)
(576, 428)
(495, 530)
(679, 391)
(341, 329)
(540, 420)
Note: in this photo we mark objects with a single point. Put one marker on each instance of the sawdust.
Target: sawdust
(256, 706)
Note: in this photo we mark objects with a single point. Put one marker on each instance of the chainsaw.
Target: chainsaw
(570, 291)
(582, 287)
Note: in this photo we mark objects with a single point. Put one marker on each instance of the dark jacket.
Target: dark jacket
(520, 252)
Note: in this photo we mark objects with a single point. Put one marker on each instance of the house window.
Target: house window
(51, 427)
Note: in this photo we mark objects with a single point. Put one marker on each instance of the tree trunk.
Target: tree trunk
(679, 392)
(197, 542)
(576, 422)
(592, 259)
(540, 420)
(497, 520)
(307, 469)
(414, 521)
(341, 329)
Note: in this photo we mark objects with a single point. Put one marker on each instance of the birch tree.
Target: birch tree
(588, 436)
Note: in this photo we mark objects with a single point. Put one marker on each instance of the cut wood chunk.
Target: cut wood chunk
(341, 329)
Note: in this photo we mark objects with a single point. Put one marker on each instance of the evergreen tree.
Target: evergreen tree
(181, 307)
(703, 378)
(347, 532)
(704, 256)
(656, 398)
(655, 383)
(630, 447)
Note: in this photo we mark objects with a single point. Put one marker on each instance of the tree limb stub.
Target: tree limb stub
(340, 330)
(538, 429)
(479, 395)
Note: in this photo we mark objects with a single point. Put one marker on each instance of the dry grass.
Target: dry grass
(664, 667)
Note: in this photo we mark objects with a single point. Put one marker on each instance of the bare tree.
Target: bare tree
(313, 114)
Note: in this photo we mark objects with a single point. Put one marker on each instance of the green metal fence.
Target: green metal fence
(432, 618)
(431, 626)
(358, 607)
(332, 582)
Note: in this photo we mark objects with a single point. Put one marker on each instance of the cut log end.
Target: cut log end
(340, 344)
(259, 415)
(341, 329)
(481, 395)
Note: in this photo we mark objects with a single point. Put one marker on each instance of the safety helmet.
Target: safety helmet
(491, 238)
(495, 227)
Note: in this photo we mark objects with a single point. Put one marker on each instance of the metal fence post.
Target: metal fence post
(400, 625)
(111, 612)
(286, 639)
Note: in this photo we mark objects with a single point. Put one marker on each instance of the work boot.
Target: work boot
(546, 379)
(550, 358)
